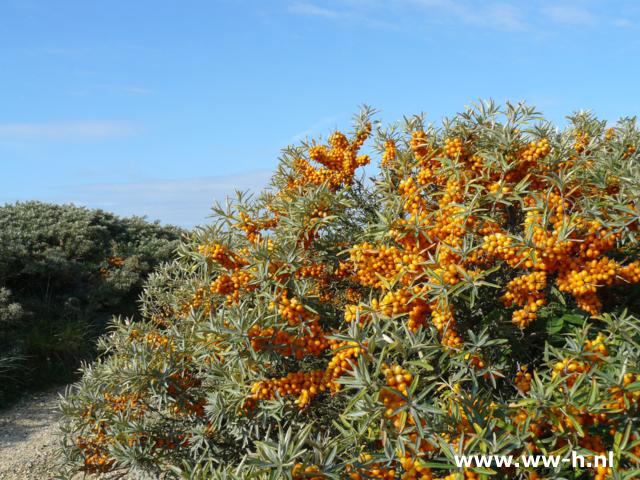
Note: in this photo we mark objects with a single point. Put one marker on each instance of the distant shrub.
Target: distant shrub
(64, 271)
(10, 315)
(479, 295)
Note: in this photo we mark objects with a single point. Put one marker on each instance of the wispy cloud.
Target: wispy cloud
(314, 129)
(66, 131)
(375, 13)
(63, 51)
(314, 11)
(497, 14)
(112, 88)
(624, 23)
(134, 89)
(505, 16)
(571, 15)
(185, 202)
(354, 14)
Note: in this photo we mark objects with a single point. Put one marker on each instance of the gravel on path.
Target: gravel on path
(28, 436)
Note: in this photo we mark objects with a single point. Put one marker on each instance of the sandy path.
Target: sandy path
(28, 437)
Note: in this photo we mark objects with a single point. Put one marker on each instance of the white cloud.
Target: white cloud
(185, 202)
(314, 11)
(62, 51)
(506, 16)
(623, 23)
(313, 129)
(496, 15)
(134, 89)
(355, 14)
(70, 131)
(570, 15)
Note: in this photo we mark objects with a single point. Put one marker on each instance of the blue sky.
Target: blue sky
(159, 107)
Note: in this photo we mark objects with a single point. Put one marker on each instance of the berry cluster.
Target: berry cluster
(312, 343)
(523, 379)
(398, 379)
(339, 161)
(290, 309)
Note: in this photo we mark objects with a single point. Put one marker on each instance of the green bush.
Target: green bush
(64, 272)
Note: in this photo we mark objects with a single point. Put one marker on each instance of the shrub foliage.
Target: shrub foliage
(478, 295)
(64, 272)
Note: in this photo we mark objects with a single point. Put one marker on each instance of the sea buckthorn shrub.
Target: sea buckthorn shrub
(478, 295)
